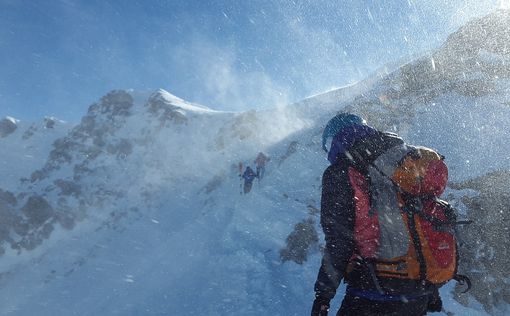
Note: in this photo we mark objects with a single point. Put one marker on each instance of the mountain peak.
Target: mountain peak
(162, 96)
(165, 95)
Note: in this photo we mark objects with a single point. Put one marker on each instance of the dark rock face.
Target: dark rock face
(31, 229)
(61, 150)
(104, 117)
(37, 210)
(29, 132)
(485, 252)
(121, 148)
(300, 241)
(95, 136)
(8, 197)
(49, 122)
(164, 110)
(25, 225)
(116, 103)
(66, 219)
(7, 127)
(8, 220)
(68, 187)
(90, 138)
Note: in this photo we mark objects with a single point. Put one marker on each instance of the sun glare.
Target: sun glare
(504, 4)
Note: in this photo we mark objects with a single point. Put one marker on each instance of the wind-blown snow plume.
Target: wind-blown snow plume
(137, 209)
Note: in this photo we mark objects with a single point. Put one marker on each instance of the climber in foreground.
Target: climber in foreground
(387, 234)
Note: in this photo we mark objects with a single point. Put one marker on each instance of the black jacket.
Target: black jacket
(337, 220)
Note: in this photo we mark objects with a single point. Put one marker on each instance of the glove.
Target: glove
(435, 303)
(320, 307)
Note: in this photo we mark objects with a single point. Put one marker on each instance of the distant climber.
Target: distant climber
(240, 166)
(260, 163)
(249, 175)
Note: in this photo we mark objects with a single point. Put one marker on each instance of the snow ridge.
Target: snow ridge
(140, 203)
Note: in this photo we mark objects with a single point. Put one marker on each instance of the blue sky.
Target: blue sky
(59, 56)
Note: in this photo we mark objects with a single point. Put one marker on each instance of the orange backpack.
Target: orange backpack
(432, 251)
(401, 225)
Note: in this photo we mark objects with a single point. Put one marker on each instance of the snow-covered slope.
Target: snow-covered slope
(137, 210)
(455, 99)
(154, 188)
(25, 147)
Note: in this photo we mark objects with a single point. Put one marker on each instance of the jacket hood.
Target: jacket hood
(344, 140)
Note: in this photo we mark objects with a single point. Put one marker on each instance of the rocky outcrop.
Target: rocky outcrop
(37, 210)
(7, 126)
(91, 137)
(49, 122)
(485, 252)
(115, 103)
(27, 227)
(104, 117)
(7, 197)
(121, 148)
(300, 241)
(8, 219)
(68, 187)
(164, 110)
(65, 200)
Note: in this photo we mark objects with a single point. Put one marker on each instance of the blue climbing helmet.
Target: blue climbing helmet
(337, 124)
